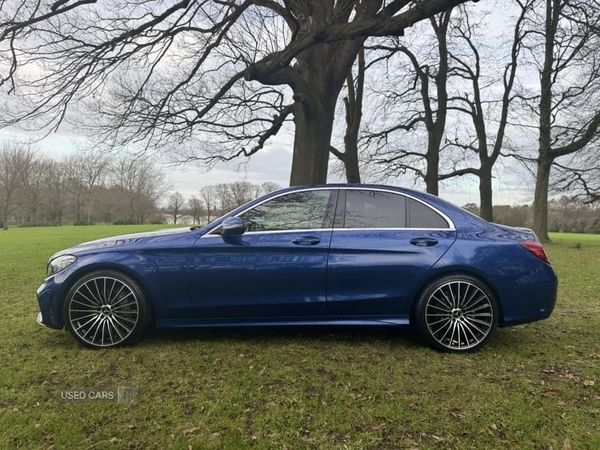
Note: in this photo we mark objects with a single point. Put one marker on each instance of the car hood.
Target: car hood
(122, 240)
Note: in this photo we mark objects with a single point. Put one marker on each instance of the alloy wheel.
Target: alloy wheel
(459, 315)
(103, 311)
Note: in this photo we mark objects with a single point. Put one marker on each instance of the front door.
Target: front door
(276, 270)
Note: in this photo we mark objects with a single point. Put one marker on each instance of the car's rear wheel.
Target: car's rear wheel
(106, 309)
(457, 313)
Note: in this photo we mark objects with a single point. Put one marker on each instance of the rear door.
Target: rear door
(382, 245)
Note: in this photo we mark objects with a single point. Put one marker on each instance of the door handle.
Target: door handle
(424, 242)
(306, 240)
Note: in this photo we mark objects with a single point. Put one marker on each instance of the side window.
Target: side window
(374, 209)
(421, 216)
(295, 211)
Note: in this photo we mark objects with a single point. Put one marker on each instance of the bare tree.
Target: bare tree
(196, 210)
(188, 70)
(36, 188)
(223, 196)
(175, 206)
(208, 196)
(579, 176)
(84, 171)
(242, 192)
(268, 186)
(486, 103)
(353, 107)
(142, 184)
(563, 44)
(16, 161)
(56, 192)
(420, 89)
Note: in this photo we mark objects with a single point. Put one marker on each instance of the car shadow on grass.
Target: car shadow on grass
(391, 335)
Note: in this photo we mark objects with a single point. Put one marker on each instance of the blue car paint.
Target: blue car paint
(348, 278)
(260, 276)
(373, 273)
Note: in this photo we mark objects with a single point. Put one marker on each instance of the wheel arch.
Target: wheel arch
(95, 267)
(446, 271)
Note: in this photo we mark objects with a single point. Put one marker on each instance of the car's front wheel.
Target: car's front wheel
(106, 309)
(457, 313)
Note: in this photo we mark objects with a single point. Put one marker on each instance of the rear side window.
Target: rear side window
(422, 216)
(374, 209)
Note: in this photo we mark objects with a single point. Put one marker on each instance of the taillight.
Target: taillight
(536, 249)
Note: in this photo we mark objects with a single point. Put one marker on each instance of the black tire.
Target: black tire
(106, 309)
(456, 313)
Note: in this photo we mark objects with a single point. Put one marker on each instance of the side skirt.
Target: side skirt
(388, 321)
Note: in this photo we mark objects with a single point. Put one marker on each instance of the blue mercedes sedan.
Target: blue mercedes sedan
(313, 255)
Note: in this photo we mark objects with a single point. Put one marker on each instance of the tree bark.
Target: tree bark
(433, 170)
(486, 210)
(540, 202)
(351, 164)
(545, 159)
(311, 142)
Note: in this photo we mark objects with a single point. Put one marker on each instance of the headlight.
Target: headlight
(59, 264)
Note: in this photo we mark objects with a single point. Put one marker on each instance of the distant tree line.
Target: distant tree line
(79, 189)
(565, 215)
(213, 201)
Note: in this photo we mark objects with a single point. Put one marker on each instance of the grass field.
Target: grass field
(535, 386)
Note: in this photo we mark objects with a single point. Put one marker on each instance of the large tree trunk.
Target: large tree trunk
(545, 159)
(540, 203)
(311, 143)
(486, 210)
(433, 171)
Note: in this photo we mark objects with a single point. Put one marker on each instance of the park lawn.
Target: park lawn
(535, 386)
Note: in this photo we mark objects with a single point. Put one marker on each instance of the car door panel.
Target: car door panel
(375, 260)
(374, 272)
(268, 272)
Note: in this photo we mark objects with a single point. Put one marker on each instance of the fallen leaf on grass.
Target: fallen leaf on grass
(191, 430)
(456, 413)
(411, 442)
(589, 383)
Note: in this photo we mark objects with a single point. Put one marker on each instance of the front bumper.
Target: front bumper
(48, 296)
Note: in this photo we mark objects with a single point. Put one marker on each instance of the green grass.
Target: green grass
(317, 389)
(574, 238)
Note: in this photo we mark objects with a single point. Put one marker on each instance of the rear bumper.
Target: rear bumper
(527, 299)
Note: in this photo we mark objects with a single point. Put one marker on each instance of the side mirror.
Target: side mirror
(233, 226)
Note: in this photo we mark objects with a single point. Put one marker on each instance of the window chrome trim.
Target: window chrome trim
(451, 226)
(328, 230)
